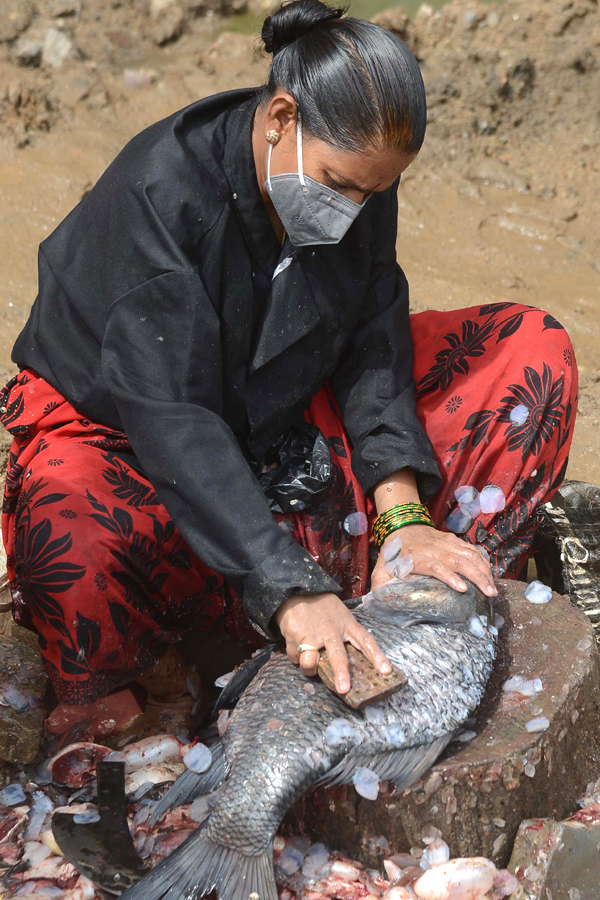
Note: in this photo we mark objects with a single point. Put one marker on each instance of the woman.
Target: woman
(231, 278)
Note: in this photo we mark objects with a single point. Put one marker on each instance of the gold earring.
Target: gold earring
(273, 136)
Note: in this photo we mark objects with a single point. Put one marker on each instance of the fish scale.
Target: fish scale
(276, 745)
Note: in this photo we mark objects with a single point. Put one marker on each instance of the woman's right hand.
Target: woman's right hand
(322, 620)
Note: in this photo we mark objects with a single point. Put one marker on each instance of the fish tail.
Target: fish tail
(190, 785)
(200, 866)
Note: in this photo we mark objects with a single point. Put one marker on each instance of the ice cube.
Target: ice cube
(18, 700)
(12, 795)
(198, 758)
(492, 499)
(42, 802)
(316, 862)
(519, 415)
(435, 853)
(374, 714)
(143, 814)
(473, 509)
(141, 791)
(404, 565)
(86, 818)
(476, 627)
(459, 521)
(541, 723)
(339, 732)
(395, 735)
(466, 494)
(538, 593)
(35, 824)
(290, 859)
(356, 523)
(366, 783)
(531, 688)
(392, 548)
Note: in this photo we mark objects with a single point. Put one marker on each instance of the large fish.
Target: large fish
(289, 733)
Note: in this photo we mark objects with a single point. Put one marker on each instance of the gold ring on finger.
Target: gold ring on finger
(303, 648)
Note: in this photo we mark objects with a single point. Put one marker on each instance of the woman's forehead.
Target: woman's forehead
(365, 170)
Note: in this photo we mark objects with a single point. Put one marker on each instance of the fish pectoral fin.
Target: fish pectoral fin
(190, 784)
(403, 767)
(200, 866)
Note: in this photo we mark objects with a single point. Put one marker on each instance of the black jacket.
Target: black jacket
(157, 314)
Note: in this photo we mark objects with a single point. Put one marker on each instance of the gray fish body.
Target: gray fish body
(288, 733)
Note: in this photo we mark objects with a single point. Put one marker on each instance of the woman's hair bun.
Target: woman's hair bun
(294, 20)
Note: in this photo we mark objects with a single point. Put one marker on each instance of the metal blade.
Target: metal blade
(103, 851)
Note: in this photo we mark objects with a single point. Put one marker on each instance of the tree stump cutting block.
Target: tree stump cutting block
(478, 792)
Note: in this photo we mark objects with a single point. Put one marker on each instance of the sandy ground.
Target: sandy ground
(502, 203)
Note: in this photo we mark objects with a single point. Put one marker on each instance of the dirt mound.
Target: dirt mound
(502, 203)
(491, 70)
(58, 54)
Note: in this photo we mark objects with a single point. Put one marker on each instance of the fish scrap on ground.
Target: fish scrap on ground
(31, 861)
(216, 827)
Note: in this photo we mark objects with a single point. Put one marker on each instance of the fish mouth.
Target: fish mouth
(421, 600)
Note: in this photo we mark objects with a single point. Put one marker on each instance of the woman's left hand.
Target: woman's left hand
(440, 554)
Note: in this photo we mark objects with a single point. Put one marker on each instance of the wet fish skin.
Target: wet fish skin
(276, 746)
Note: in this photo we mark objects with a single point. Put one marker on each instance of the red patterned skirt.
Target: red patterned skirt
(99, 571)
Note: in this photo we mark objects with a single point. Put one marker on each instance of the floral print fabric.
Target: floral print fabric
(100, 572)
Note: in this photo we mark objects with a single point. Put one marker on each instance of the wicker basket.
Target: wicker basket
(567, 546)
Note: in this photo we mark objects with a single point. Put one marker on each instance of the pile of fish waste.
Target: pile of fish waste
(216, 827)
(31, 861)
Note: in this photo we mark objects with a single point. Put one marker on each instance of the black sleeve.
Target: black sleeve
(374, 383)
(161, 361)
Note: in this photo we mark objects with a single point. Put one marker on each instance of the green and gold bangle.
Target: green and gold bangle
(397, 517)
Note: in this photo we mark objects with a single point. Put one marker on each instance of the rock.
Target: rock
(158, 7)
(557, 859)
(481, 790)
(139, 78)
(73, 88)
(29, 53)
(57, 47)
(15, 17)
(22, 689)
(471, 20)
(168, 23)
(395, 20)
(494, 172)
(55, 9)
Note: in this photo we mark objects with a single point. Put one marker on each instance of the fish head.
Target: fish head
(422, 599)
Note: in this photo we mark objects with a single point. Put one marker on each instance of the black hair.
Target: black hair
(356, 85)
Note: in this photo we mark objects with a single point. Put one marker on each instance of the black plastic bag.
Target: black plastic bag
(567, 546)
(297, 469)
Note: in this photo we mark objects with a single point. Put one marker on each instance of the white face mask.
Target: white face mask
(310, 212)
